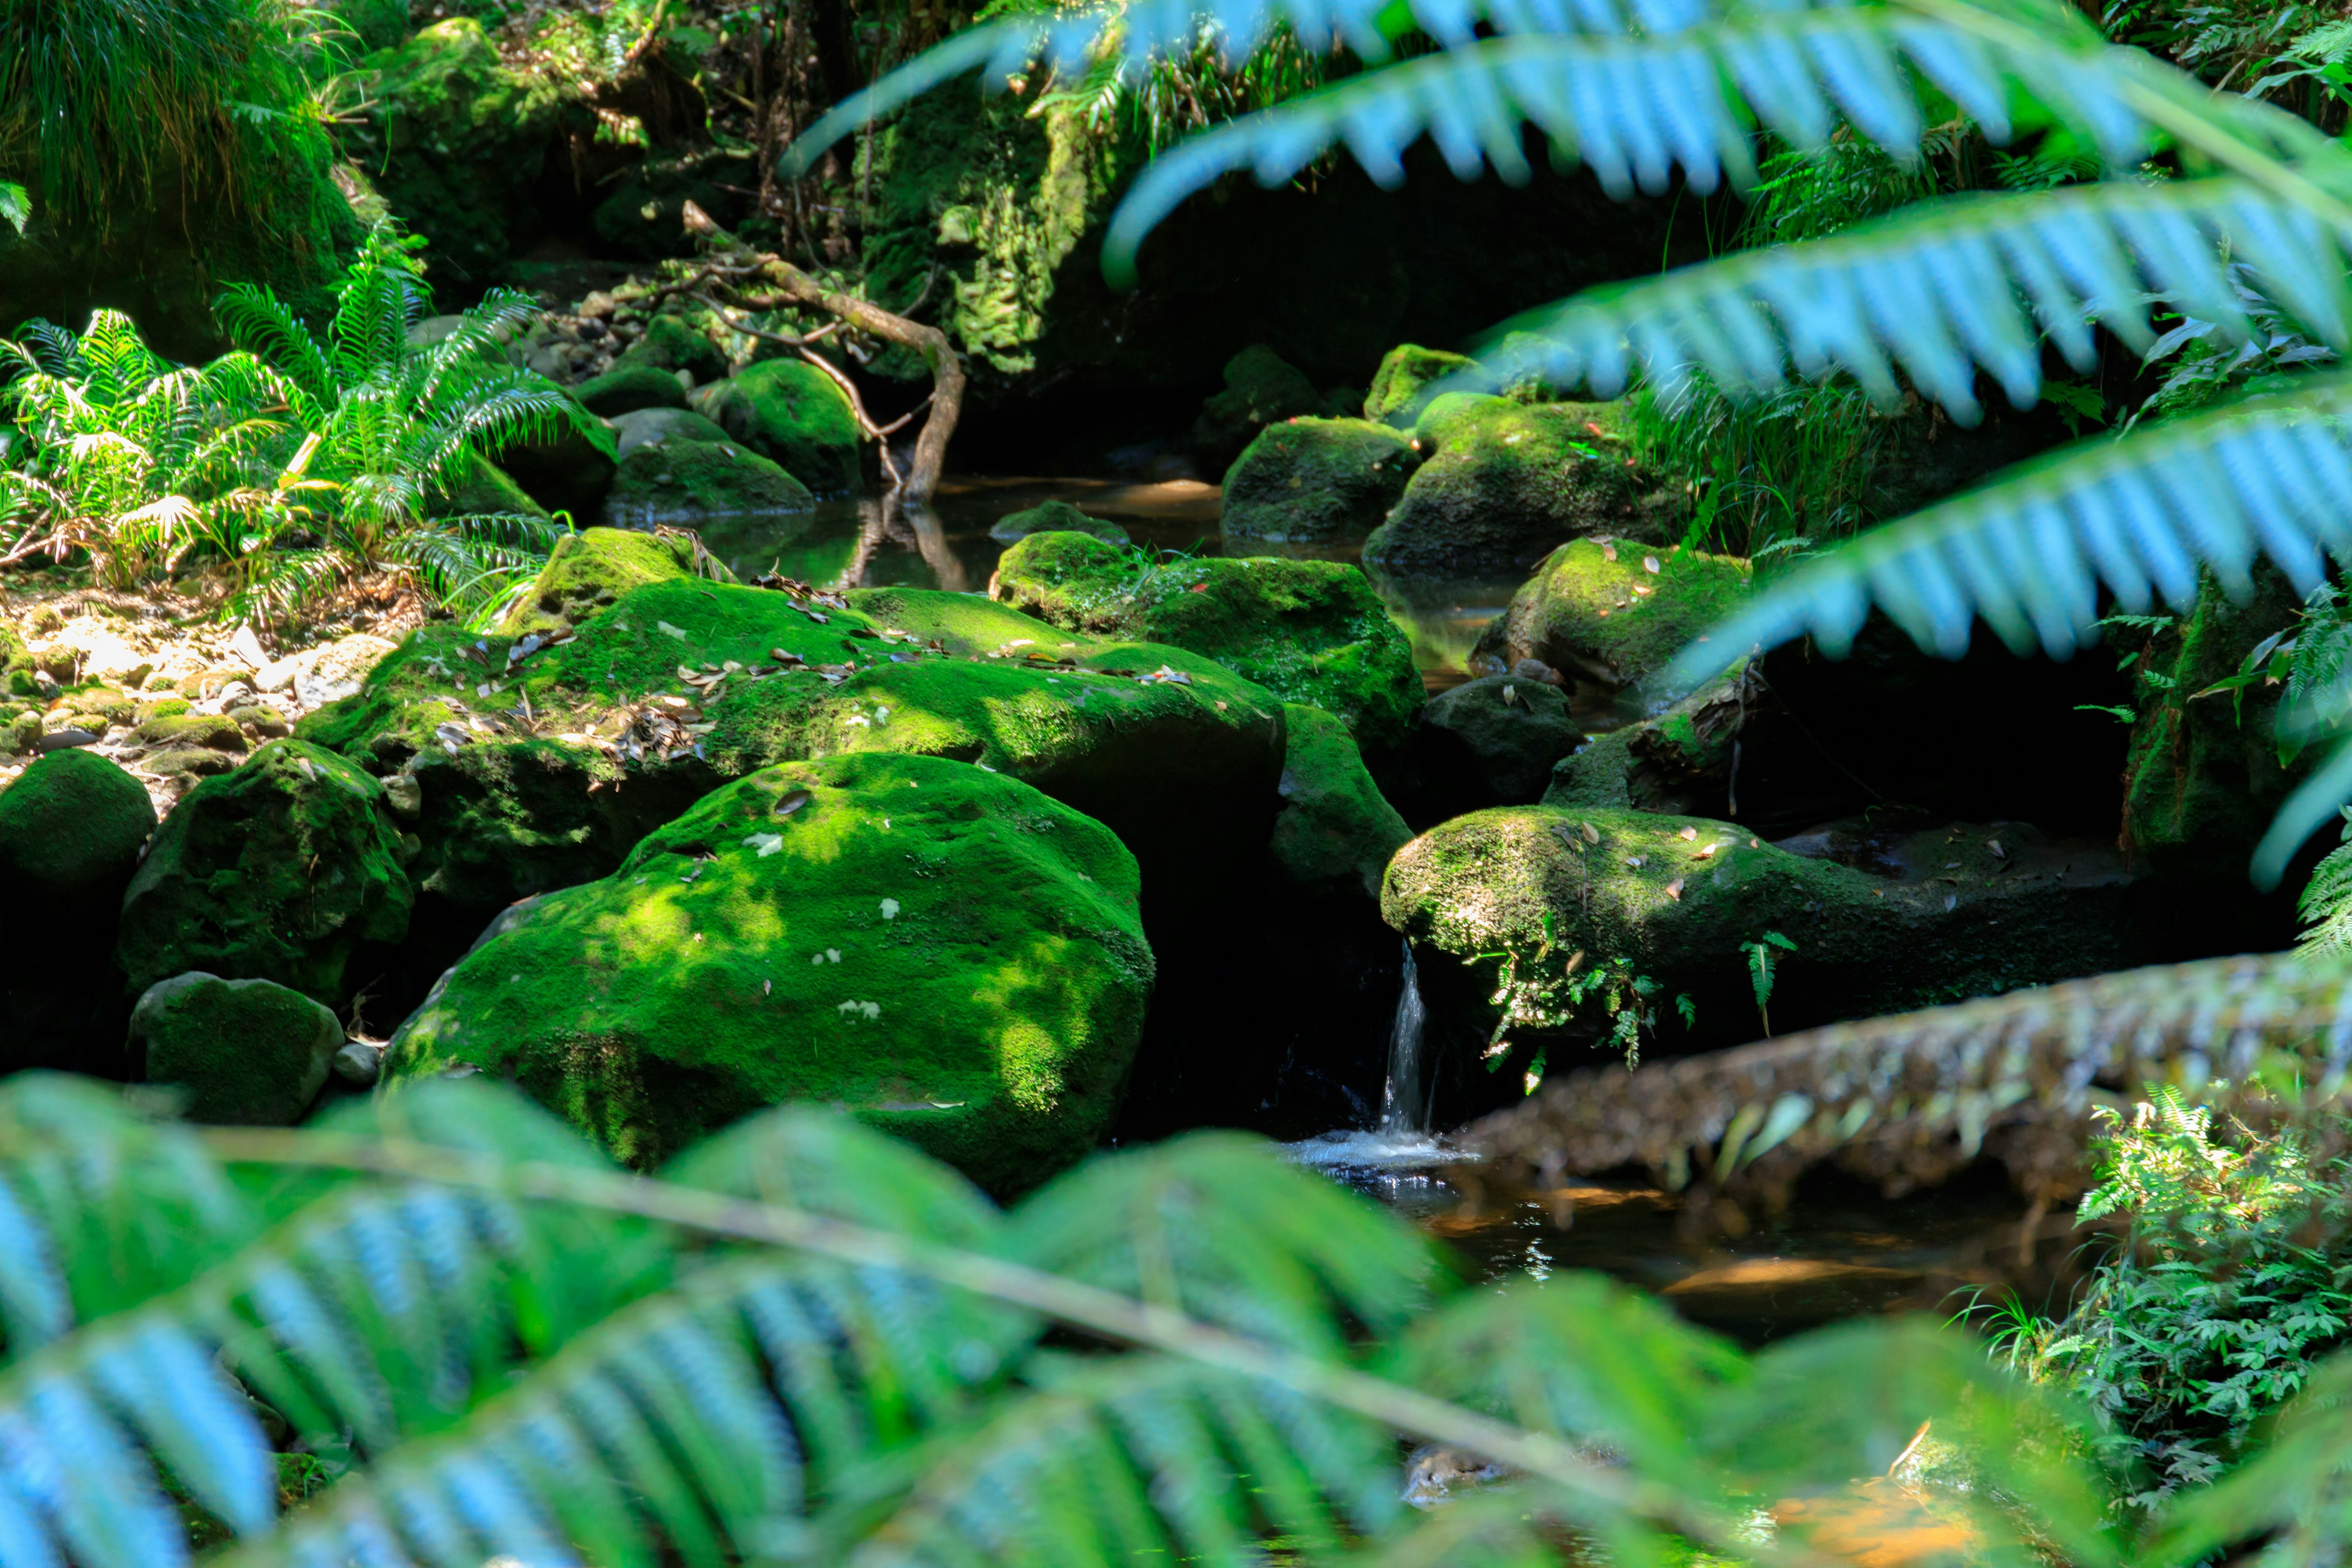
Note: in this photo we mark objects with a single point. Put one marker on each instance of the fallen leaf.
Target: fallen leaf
(1649, 563)
(1592, 833)
(793, 800)
(1687, 833)
(1675, 889)
(1706, 851)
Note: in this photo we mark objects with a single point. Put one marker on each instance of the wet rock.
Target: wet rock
(792, 413)
(1508, 483)
(245, 1052)
(1055, 517)
(1309, 631)
(627, 388)
(871, 931)
(1313, 479)
(1616, 611)
(64, 738)
(286, 869)
(1402, 386)
(1489, 742)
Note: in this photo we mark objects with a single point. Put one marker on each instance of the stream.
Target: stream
(1842, 1250)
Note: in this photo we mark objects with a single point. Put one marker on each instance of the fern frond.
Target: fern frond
(2324, 907)
(2029, 553)
(1904, 1098)
(258, 322)
(1945, 288)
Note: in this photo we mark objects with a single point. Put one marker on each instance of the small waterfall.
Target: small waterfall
(1404, 1102)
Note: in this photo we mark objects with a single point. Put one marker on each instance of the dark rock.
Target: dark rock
(246, 1052)
(1312, 480)
(1489, 742)
(627, 388)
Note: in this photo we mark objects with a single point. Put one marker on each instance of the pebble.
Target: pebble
(360, 1062)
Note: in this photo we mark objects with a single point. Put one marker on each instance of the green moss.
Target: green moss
(1599, 610)
(455, 139)
(1309, 631)
(216, 730)
(279, 871)
(949, 953)
(668, 343)
(1679, 910)
(1508, 482)
(246, 1052)
(16, 666)
(679, 480)
(1305, 479)
(792, 414)
(1055, 517)
(1336, 831)
(1399, 391)
(71, 830)
(589, 571)
(627, 388)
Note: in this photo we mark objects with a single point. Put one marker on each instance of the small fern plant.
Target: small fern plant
(804, 1342)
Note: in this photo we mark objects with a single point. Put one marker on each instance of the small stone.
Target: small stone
(360, 1062)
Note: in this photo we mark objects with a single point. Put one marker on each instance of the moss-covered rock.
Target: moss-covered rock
(283, 869)
(952, 955)
(570, 473)
(668, 343)
(1676, 761)
(1615, 612)
(486, 489)
(70, 831)
(1261, 387)
(1303, 481)
(1054, 517)
(656, 426)
(666, 476)
(1400, 386)
(1507, 483)
(1182, 765)
(793, 414)
(1677, 900)
(1336, 831)
(1490, 742)
(589, 571)
(216, 730)
(245, 1052)
(455, 139)
(627, 388)
(1309, 631)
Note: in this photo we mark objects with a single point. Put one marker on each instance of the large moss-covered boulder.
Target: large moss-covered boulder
(245, 1052)
(532, 760)
(1261, 387)
(1958, 910)
(589, 571)
(793, 414)
(1615, 610)
(1304, 480)
(1402, 385)
(1489, 742)
(1336, 831)
(285, 869)
(71, 827)
(1509, 482)
(670, 477)
(455, 139)
(1676, 761)
(668, 343)
(1309, 631)
(627, 388)
(571, 472)
(945, 951)
(1054, 517)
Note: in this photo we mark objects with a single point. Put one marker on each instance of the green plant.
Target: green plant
(2233, 1280)
(1549, 989)
(804, 1342)
(1760, 971)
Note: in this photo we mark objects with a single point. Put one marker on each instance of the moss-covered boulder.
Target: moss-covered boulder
(669, 476)
(1054, 517)
(793, 414)
(655, 426)
(1261, 387)
(1304, 480)
(1964, 911)
(1489, 742)
(245, 1052)
(668, 343)
(1508, 483)
(455, 139)
(284, 869)
(1615, 610)
(949, 953)
(1336, 831)
(627, 388)
(484, 488)
(571, 472)
(589, 571)
(1676, 761)
(1309, 631)
(1402, 386)
(70, 831)
(533, 760)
